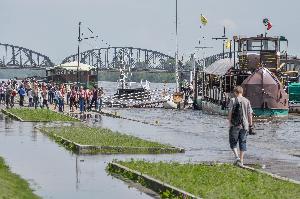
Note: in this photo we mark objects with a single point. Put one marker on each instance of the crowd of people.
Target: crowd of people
(41, 94)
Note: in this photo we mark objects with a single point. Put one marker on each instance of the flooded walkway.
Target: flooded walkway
(55, 172)
(205, 137)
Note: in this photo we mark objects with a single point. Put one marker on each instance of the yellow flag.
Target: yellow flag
(203, 20)
(228, 44)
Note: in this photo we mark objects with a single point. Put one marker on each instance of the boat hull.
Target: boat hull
(132, 94)
(265, 113)
(170, 105)
(294, 108)
(212, 108)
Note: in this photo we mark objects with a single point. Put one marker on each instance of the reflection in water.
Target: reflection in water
(77, 173)
(50, 167)
(7, 122)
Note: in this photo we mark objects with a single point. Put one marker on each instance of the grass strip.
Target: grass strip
(214, 181)
(39, 115)
(101, 140)
(12, 186)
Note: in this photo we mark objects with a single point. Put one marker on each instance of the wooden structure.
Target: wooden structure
(67, 73)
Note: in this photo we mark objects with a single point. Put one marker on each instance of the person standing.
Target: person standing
(35, 94)
(2, 93)
(94, 98)
(60, 100)
(22, 94)
(55, 98)
(8, 93)
(73, 99)
(100, 95)
(81, 99)
(30, 97)
(12, 97)
(45, 99)
(240, 123)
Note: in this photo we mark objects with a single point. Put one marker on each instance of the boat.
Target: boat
(294, 97)
(174, 101)
(258, 66)
(130, 90)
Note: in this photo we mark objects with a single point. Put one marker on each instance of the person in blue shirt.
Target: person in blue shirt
(22, 94)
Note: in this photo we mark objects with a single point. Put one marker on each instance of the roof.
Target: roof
(72, 66)
(261, 76)
(220, 67)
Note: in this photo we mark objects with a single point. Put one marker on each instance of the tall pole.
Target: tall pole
(176, 55)
(78, 52)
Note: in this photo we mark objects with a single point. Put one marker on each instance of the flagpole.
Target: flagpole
(176, 54)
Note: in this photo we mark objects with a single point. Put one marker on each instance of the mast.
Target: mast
(78, 53)
(176, 54)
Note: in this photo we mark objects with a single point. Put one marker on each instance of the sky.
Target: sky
(51, 26)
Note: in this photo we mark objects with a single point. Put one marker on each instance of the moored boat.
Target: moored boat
(258, 67)
(294, 97)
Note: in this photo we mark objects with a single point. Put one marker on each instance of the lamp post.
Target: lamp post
(78, 49)
(78, 52)
(176, 54)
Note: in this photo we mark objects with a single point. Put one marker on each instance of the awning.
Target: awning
(220, 67)
(72, 66)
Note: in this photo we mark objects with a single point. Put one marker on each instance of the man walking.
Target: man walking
(240, 123)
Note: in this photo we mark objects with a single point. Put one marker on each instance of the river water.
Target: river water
(57, 173)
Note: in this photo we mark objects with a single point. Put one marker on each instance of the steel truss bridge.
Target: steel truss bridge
(112, 58)
(20, 57)
(139, 59)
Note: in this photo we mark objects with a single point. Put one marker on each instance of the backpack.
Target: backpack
(237, 113)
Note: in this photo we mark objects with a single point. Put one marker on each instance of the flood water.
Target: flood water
(55, 172)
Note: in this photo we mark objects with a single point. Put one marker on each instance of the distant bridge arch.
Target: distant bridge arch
(20, 57)
(112, 57)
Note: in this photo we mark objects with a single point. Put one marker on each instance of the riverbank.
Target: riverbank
(37, 115)
(12, 186)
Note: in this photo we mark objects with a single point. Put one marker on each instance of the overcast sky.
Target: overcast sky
(50, 26)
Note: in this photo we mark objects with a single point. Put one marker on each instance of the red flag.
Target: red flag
(269, 26)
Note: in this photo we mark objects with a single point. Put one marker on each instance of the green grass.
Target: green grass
(85, 135)
(12, 186)
(30, 114)
(217, 181)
